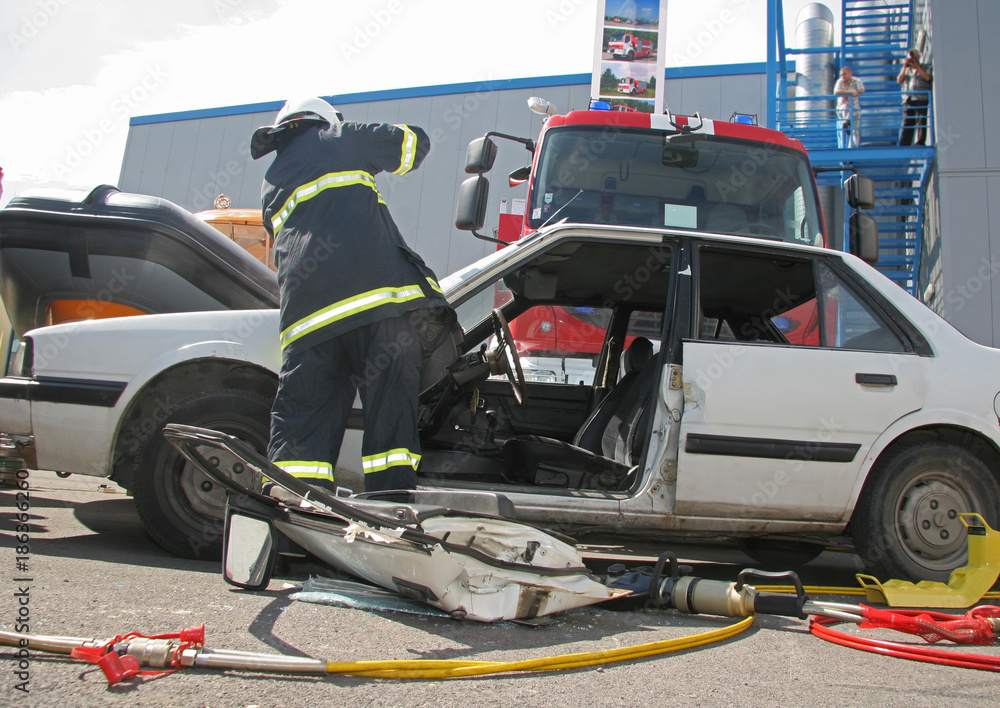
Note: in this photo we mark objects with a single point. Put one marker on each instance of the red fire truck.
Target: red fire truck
(633, 169)
(631, 86)
(628, 46)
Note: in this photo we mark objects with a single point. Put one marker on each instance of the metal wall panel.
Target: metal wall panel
(958, 93)
(966, 99)
(203, 187)
(152, 175)
(989, 77)
(180, 161)
(135, 151)
(967, 297)
(990, 263)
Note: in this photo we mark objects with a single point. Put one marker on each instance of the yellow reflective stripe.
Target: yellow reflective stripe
(311, 189)
(385, 460)
(307, 470)
(409, 150)
(434, 286)
(346, 308)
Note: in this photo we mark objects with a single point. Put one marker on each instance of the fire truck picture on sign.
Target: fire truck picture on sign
(628, 61)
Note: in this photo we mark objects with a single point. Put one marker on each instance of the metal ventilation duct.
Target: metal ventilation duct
(815, 76)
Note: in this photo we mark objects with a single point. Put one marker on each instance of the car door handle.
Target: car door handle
(876, 379)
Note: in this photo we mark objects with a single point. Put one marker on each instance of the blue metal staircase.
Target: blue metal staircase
(875, 37)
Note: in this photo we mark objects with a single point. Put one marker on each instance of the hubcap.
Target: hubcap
(205, 496)
(928, 519)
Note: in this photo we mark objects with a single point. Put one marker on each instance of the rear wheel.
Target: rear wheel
(906, 524)
(180, 507)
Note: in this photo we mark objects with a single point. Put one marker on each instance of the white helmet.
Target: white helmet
(294, 111)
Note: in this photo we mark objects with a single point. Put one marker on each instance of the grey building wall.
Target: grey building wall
(966, 58)
(190, 158)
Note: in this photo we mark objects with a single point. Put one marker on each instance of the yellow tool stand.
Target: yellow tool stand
(966, 585)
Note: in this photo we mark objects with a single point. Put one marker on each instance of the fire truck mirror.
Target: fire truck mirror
(470, 210)
(480, 156)
(519, 176)
(860, 192)
(864, 237)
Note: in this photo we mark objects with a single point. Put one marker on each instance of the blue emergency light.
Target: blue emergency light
(744, 118)
(600, 106)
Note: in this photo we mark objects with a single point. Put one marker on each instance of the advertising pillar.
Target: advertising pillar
(629, 62)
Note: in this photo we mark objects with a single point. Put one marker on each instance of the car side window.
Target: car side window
(847, 322)
(768, 298)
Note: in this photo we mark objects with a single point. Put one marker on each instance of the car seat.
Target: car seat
(609, 443)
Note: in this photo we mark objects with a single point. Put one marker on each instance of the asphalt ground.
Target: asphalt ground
(94, 574)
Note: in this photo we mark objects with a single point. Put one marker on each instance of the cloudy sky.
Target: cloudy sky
(75, 71)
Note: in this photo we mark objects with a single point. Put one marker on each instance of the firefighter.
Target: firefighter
(354, 297)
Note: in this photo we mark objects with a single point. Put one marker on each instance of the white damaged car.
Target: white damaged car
(794, 398)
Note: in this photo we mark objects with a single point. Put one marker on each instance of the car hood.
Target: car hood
(108, 251)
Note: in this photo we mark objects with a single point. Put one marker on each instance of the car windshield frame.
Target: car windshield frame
(617, 176)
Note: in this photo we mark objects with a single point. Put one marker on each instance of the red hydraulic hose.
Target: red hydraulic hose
(820, 626)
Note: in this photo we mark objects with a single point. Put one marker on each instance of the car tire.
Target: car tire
(181, 508)
(906, 524)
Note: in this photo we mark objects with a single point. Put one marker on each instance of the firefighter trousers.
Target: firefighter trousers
(316, 392)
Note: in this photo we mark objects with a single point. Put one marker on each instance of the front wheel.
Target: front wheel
(178, 505)
(906, 525)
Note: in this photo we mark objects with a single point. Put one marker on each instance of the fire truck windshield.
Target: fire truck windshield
(634, 177)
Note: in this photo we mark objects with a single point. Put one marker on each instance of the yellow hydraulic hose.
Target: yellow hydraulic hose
(403, 669)
(812, 589)
(435, 669)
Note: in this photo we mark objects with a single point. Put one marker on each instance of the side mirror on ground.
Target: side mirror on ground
(470, 210)
(480, 156)
(863, 234)
(249, 549)
(860, 192)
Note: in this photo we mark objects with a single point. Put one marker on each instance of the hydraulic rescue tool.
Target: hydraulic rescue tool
(966, 585)
(121, 657)
(472, 562)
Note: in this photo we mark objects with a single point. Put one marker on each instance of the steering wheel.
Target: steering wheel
(757, 227)
(504, 359)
